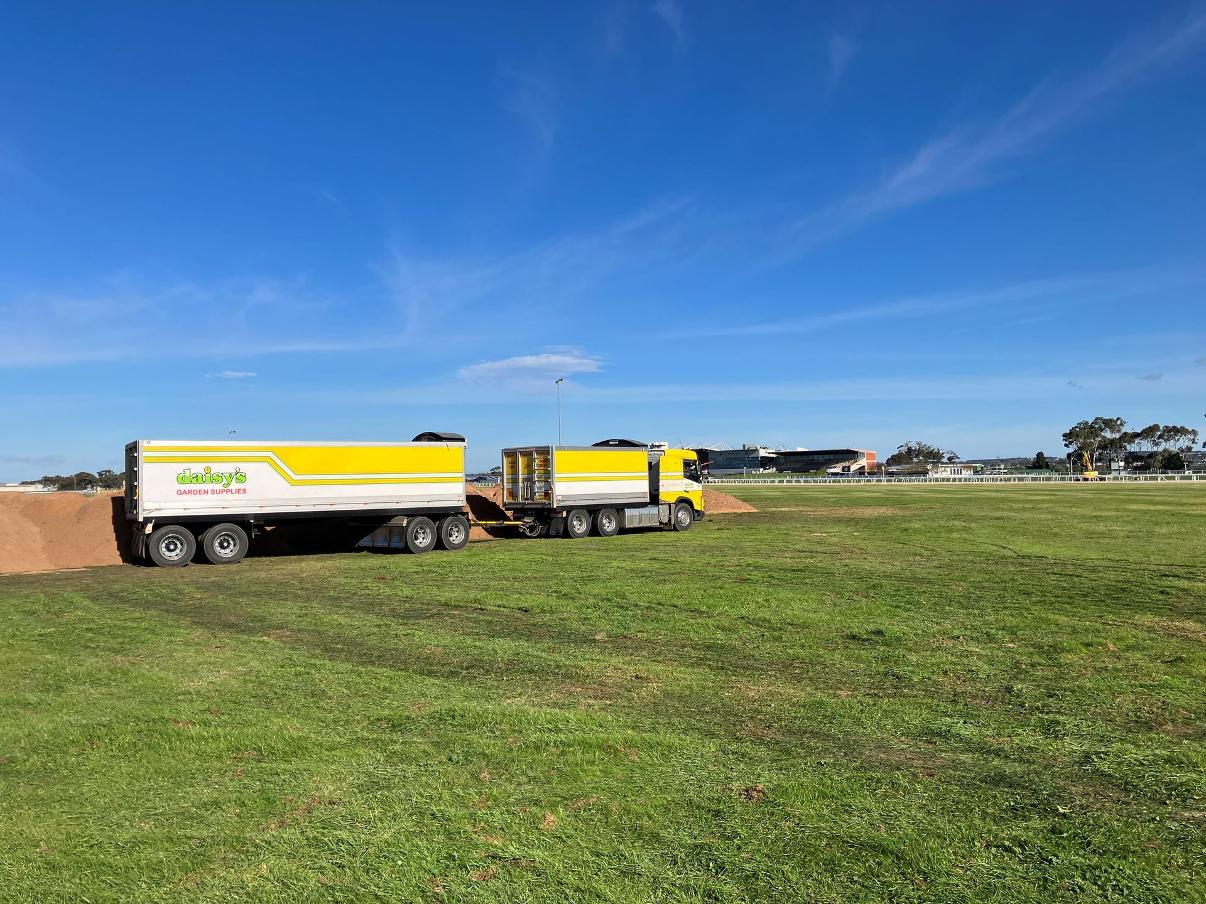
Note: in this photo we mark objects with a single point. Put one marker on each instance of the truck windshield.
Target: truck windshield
(691, 470)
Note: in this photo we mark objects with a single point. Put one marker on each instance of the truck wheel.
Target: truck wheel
(454, 532)
(420, 534)
(225, 544)
(684, 516)
(577, 524)
(172, 546)
(607, 523)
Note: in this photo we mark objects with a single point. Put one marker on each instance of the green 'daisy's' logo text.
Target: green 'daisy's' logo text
(209, 475)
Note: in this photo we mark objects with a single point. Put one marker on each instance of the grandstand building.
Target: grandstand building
(832, 461)
(755, 459)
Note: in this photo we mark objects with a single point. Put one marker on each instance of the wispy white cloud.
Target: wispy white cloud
(533, 100)
(1112, 384)
(671, 13)
(324, 194)
(841, 50)
(971, 155)
(128, 319)
(431, 292)
(1054, 290)
(417, 302)
(530, 371)
(612, 25)
(232, 375)
(1152, 378)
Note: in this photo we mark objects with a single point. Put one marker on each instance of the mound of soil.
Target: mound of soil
(48, 531)
(718, 503)
(484, 504)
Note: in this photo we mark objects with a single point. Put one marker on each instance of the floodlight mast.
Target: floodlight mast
(557, 383)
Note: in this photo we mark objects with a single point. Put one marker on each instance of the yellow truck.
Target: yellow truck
(216, 496)
(189, 498)
(611, 486)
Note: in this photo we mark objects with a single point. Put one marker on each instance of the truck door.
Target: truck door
(527, 476)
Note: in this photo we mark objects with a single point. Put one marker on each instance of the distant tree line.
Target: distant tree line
(103, 479)
(1156, 447)
(919, 453)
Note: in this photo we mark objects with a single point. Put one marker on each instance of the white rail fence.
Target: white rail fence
(1190, 477)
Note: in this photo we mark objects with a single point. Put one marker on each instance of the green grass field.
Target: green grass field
(861, 693)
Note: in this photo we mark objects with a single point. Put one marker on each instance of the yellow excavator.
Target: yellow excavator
(1087, 471)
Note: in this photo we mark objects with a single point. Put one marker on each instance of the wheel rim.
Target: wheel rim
(422, 535)
(172, 547)
(608, 523)
(226, 545)
(456, 532)
(579, 524)
(684, 515)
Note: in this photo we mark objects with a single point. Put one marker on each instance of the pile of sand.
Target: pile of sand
(47, 531)
(718, 503)
(483, 504)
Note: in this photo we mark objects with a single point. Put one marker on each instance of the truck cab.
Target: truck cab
(612, 485)
(679, 479)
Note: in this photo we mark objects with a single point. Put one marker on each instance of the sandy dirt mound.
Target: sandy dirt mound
(48, 531)
(484, 504)
(718, 503)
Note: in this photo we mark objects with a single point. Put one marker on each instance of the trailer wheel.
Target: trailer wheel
(577, 524)
(607, 523)
(420, 534)
(684, 516)
(225, 544)
(172, 546)
(454, 532)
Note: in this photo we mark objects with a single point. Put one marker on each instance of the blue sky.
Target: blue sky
(800, 224)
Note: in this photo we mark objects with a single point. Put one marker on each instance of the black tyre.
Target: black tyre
(682, 517)
(454, 532)
(607, 523)
(577, 524)
(172, 546)
(420, 534)
(225, 544)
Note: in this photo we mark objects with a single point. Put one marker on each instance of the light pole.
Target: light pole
(557, 383)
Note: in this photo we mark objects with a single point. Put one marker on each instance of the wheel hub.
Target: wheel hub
(171, 547)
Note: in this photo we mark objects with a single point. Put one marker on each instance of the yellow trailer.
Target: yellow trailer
(612, 485)
(215, 496)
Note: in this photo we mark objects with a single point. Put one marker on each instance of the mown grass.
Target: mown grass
(860, 693)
